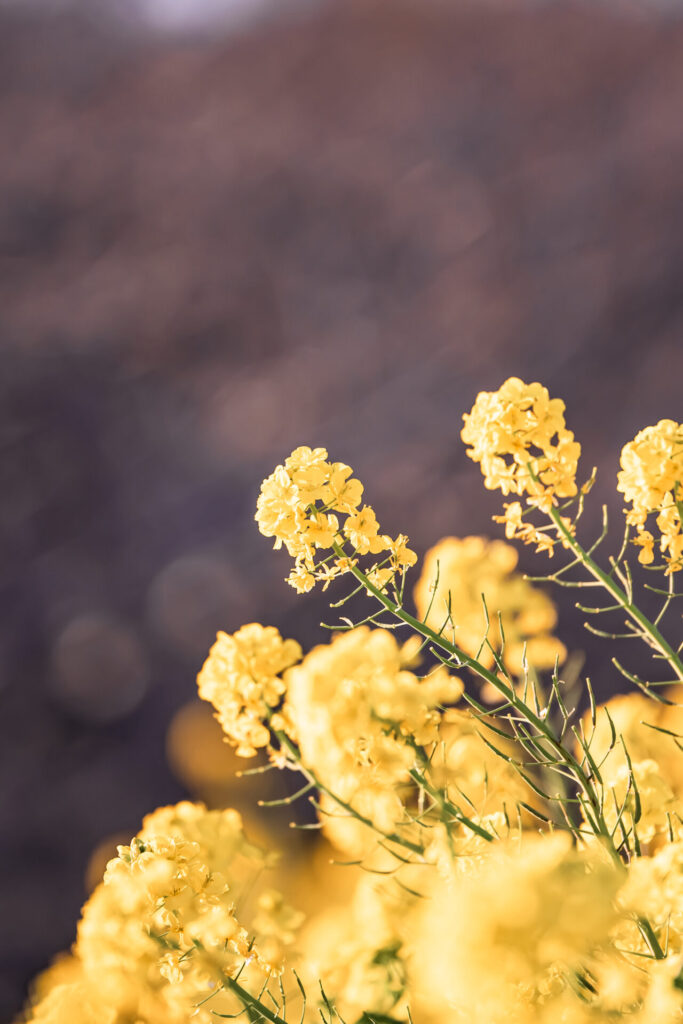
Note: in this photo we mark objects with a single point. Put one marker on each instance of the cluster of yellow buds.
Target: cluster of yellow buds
(300, 504)
(518, 434)
(162, 927)
(651, 479)
(241, 678)
(519, 437)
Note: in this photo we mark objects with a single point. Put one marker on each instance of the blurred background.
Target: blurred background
(231, 227)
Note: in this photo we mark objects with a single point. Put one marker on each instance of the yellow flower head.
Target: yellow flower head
(354, 709)
(519, 437)
(457, 571)
(651, 479)
(241, 678)
(300, 504)
(162, 928)
(75, 1003)
(354, 952)
(526, 914)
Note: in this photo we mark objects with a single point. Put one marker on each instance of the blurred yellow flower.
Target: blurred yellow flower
(651, 479)
(455, 575)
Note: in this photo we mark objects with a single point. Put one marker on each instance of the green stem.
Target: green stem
(448, 807)
(252, 1002)
(648, 933)
(649, 628)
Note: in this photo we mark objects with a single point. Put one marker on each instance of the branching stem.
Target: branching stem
(649, 629)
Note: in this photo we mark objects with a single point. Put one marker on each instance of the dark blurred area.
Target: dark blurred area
(330, 228)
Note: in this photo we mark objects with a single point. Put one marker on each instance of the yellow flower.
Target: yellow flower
(456, 572)
(300, 578)
(521, 919)
(518, 433)
(307, 468)
(161, 929)
(648, 730)
(355, 710)
(401, 554)
(353, 951)
(300, 504)
(321, 529)
(651, 479)
(241, 678)
(362, 530)
(465, 768)
(380, 578)
(646, 541)
(652, 811)
(343, 493)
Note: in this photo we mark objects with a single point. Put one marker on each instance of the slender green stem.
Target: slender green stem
(448, 807)
(621, 598)
(648, 933)
(440, 796)
(251, 1002)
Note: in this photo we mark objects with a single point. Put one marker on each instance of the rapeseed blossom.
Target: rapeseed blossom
(651, 479)
(642, 771)
(300, 504)
(163, 925)
(356, 951)
(457, 573)
(242, 679)
(356, 711)
(519, 437)
(521, 920)
(466, 768)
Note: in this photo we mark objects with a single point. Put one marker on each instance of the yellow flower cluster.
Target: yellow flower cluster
(355, 711)
(643, 799)
(642, 771)
(161, 929)
(300, 504)
(655, 889)
(455, 575)
(651, 479)
(471, 774)
(518, 434)
(524, 922)
(241, 678)
(531, 930)
(519, 437)
(355, 951)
